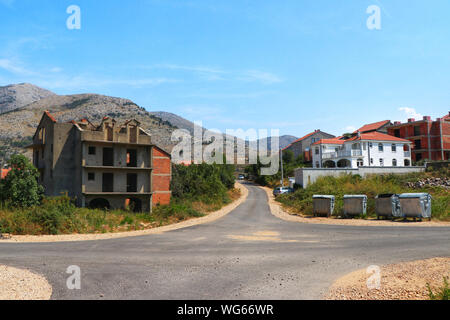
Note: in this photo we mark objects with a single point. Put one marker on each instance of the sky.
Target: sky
(292, 65)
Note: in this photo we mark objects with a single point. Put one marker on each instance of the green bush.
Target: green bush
(443, 292)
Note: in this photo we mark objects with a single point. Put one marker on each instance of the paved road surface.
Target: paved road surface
(248, 254)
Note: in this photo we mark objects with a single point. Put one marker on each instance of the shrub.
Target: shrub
(443, 292)
(20, 187)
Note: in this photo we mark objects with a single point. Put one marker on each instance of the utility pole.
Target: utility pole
(281, 160)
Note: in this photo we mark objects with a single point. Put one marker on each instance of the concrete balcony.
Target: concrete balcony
(342, 154)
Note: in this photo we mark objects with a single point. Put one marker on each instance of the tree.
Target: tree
(21, 187)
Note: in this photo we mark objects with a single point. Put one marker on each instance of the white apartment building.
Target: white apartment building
(371, 149)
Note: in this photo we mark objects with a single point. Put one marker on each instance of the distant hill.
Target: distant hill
(283, 142)
(16, 96)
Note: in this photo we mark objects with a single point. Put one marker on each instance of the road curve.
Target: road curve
(249, 254)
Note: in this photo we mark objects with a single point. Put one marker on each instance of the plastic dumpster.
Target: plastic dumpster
(387, 205)
(355, 205)
(415, 205)
(323, 205)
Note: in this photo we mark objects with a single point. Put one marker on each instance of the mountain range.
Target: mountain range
(22, 106)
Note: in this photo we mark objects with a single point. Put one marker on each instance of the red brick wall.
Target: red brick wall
(161, 176)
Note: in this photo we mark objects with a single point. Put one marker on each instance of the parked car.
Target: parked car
(282, 190)
(241, 177)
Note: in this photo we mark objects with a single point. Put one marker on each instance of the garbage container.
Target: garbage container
(415, 205)
(387, 205)
(355, 205)
(323, 205)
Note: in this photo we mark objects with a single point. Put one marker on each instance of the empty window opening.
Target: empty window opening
(108, 157)
(394, 162)
(397, 133)
(131, 158)
(131, 182)
(417, 130)
(108, 182)
(418, 144)
(92, 151)
(99, 204)
(91, 176)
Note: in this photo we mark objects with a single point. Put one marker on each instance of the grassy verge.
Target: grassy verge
(301, 200)
(59, 216)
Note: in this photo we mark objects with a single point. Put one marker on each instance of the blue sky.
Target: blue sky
(294, 65)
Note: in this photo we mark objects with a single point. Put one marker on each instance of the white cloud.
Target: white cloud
(350, 129)
(14, 67)
(260, 76)
(410, 113)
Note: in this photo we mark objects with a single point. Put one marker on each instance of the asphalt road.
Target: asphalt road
(249, 254)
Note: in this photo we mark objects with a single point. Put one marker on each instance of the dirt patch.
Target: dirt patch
(403, 281)
(278, 211)
(89, 237)
(19, 284)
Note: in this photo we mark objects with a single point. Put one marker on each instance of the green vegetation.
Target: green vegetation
(443, 293)
(197, 189)
(20, 187)
(301, 200)
(290, 163)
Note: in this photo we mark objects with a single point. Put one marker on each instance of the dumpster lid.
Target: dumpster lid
(414, 195)
(348, 196)
(319, 196)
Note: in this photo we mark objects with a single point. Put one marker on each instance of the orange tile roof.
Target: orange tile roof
(372, 126)
(4, 173)
(50, 116)
(377, 136)
(330, 141)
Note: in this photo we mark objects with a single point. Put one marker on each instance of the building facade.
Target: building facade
(431, 139)
(372, 149)
(101, 166)
(302, 146)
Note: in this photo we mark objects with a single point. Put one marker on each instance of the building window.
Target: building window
(370, 145)
(397, 133)
(371, 160)
(380, 147)
(364, 146)
(418, 156)
(417, 130)
(360, 162)
(394, 147)
(381, 162)
(317, 150)
(131, 158)
(317, 164)
(91, 176)
(417, 144)
(394, 162)
(92, 151)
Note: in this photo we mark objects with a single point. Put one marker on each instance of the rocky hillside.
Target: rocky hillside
(16, 96)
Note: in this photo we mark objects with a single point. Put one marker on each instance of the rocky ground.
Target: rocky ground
(403, 281)
(430, 182)
(19, 284)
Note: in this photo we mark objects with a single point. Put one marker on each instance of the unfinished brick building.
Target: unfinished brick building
(101, 166)
(431, 139)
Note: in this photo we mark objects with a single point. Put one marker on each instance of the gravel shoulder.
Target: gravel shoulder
(20, 284)
(402, 281)
(278, 211)
(103, 236)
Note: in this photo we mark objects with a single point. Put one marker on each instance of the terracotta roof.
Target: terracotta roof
(372, 126)
(4, 173)
(49, 115)
(377, 136)
(330, 141)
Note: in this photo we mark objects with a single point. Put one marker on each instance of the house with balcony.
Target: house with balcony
(302, 146)
(370, 149)
(109, 165)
